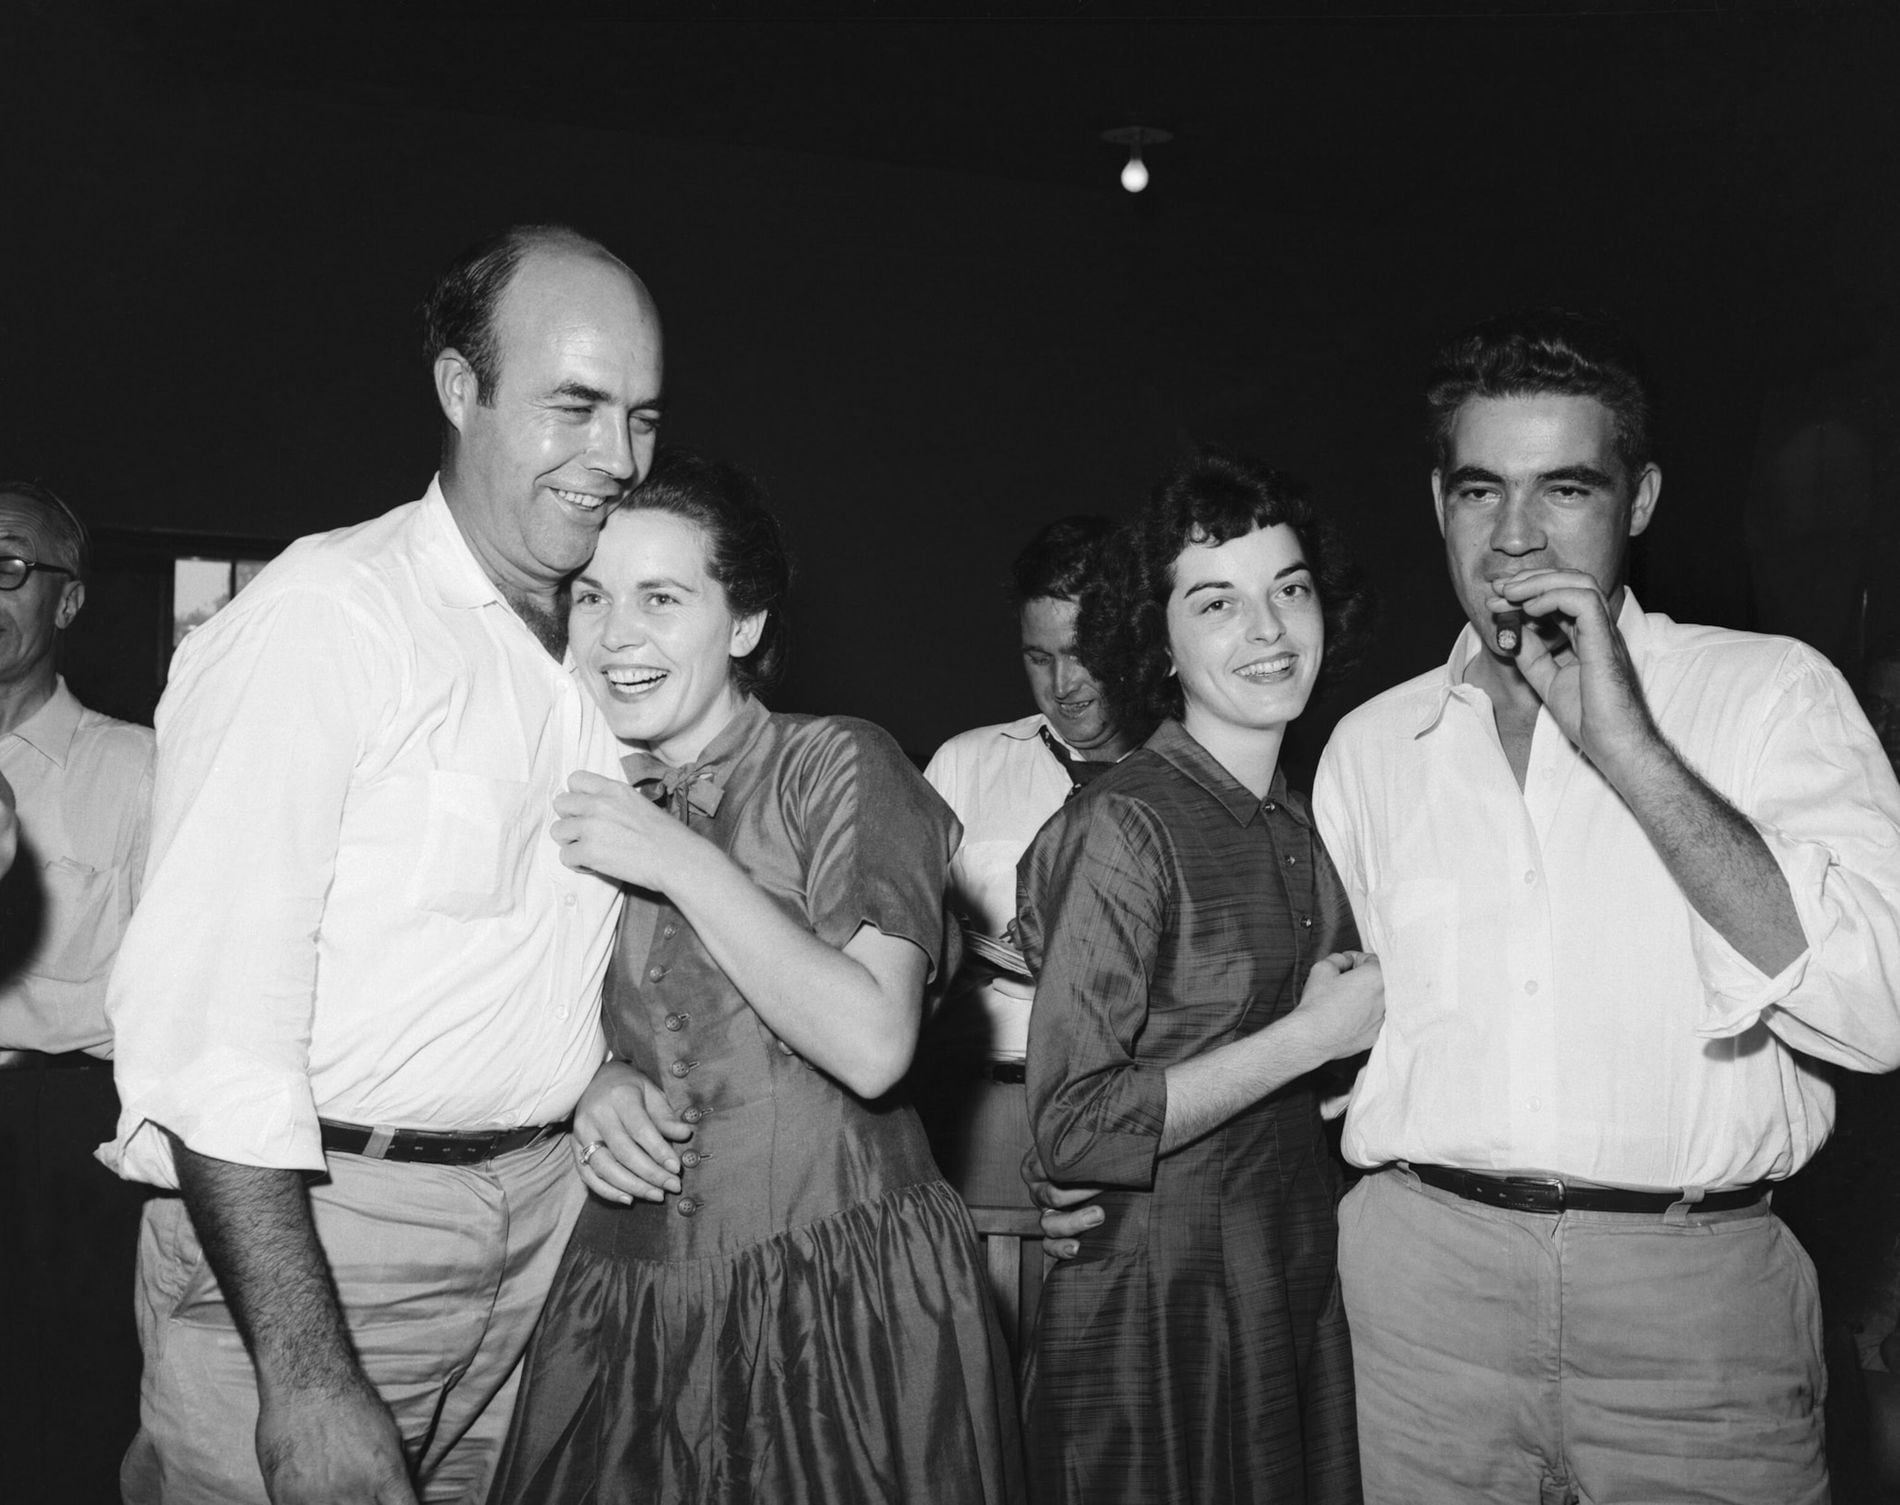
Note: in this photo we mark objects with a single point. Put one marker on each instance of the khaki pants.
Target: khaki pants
(1597, 1358)
(442, 1272)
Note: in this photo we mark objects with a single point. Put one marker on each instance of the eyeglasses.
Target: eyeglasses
(14, 570)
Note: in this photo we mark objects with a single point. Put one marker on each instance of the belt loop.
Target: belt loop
(381, 1137)
(1678, 1214)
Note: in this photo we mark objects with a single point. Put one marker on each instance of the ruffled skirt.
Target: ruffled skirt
(854, 1359)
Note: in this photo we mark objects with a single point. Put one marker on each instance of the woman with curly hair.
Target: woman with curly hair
(1194, 964)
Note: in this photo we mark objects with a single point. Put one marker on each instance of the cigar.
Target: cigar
(1509, 626)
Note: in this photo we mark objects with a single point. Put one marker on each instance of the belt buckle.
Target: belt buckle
(1544, 1193)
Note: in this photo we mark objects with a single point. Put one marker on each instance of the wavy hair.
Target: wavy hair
(1214, 496)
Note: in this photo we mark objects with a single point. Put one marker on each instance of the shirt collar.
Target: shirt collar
(1631, 622)
(50, 730)
(702, 782)
(1028, 727)
(1171, 741)
(445, 559)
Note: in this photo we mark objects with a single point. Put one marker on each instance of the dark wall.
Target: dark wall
(209, 283)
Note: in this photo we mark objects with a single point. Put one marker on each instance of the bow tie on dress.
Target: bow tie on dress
(675, 788)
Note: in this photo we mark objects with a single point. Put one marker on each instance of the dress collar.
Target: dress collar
(1172, 741)
(701, 784)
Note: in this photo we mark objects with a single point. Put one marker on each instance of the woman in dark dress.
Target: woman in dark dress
(1192, 951)
(805, 1318)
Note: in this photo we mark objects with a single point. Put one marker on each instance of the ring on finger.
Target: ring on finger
(588, 1153)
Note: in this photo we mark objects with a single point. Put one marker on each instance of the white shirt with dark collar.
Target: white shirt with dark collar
(353, 907)
(83, 783)
(1553, 1002)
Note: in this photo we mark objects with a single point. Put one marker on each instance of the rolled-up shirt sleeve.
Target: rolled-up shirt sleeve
(1824, 799)
(1092, 907)
(268, 712)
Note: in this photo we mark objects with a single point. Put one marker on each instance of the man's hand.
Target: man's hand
(1580, 667)
(331, 1447)
(624, 1132)
(1067, 1211)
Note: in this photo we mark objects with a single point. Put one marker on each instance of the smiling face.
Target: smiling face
(654, 638)
(1534, 483)
(532, 474)
(32, 617)
(1064, 691)
(1246, 635)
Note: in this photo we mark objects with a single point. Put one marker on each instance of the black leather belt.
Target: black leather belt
(1552, 1194)
(40, 1060)
(1002, 1071)
(432, 1146)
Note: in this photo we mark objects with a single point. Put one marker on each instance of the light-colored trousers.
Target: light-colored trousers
(1597, 1358)
(442, 1271)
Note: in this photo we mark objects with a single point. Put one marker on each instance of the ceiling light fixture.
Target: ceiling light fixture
(1135, 137)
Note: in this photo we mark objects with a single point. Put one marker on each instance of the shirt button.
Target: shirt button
(676, 1022)
(656, 973)
(687, 1206)
(1291, 860)
(680, 1068)
(690, 1158)
(693, 1115)
(1536, 1104)
(1306, 922)
(1530, 875)
(1531, 986)
(560, 1013)
(669, 930)
(1269, 806)
(568, 900)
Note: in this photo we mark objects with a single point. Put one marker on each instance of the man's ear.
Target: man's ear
(71, 598)
(1643, 504)
(455, 386)
(1438, 499)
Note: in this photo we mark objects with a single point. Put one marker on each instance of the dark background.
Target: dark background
(901, 282)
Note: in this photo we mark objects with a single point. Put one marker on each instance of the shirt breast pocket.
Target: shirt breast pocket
(78, 939)
(475, 846)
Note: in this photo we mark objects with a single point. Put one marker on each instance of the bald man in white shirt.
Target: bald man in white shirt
(1632, 883)
(360, 995)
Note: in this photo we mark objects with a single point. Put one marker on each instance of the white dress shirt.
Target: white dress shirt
(353, 908)
(1003, 784)
(83, 783)
(1553, 1002)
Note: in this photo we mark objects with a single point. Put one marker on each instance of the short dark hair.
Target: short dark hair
(1540, 351)
(71, 545)
(1214, 496)
(745, 552)
(1059, 561)
(459, 313)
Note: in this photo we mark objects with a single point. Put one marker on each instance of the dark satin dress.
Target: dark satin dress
(1196, 1350)
(808, 1320)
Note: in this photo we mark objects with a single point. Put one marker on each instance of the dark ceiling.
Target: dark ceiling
(1347, 111)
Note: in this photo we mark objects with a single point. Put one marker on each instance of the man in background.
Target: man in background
(360, 996)
(82, 782)
(1003, 782)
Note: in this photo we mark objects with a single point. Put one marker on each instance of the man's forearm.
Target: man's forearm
(257, 1232)
(1717, 858)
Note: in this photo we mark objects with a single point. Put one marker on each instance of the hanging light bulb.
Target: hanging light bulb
(1135, 137)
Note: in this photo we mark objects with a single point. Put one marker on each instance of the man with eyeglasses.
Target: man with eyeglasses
(82, 782)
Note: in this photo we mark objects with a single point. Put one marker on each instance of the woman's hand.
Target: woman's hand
(1344, 1001)
(624, 1132)
(608, 827)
